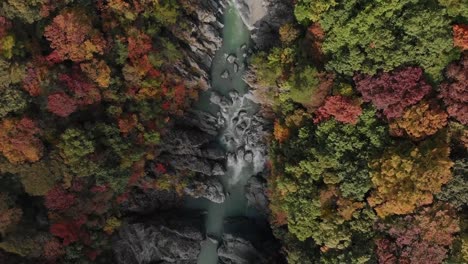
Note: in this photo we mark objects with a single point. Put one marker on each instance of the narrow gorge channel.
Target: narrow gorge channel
(238, 134)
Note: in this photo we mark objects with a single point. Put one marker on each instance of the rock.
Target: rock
(243, 46)
(248, 156)
(236, 67)
(231, 58)
(256, 194)
(209, 188)
(170, 239)
(188, 162)
(264, 18)
(225, 74)
(218, 170)
(206, 122)
(184, 141)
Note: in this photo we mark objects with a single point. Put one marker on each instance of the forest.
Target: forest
(369, 161)
(368, 154)
(86, 91)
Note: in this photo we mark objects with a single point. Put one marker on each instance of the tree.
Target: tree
(69, 231)
(341, 108)
(84, 92)
(454, 92)
(460, 36)
(393, 92)
(10, 215)
(5, 25)
(374, 35)
(288, 33)
(12, 100)
(280, 132)
(407, 176)
(28, 11)
(61, 104)
(422, 238)
(73, 37)
(455, 7)
(420, 121)
(53, 250)
(98, 71)
(19, 141)
(455, 192)
(307, 11)
(75, 145)
(57, 199)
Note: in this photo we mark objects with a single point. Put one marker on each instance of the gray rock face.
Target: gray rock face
(236, 250)
(200, 38)
(264, 18)
(255, 192)
(209, 188)
(171, 239)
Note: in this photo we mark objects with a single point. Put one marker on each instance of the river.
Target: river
(228, 101)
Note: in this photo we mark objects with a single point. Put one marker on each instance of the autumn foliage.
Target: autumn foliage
(420, 121)
(341, 108)
(19, 140)
(73, 38)
(61, 104)
(58, 199)
(460, 36)
(407, 176)
(454, 92)
(393, 91)
(423, 238)
(280, 132)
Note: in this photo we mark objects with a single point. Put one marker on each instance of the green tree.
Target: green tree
(372, 35)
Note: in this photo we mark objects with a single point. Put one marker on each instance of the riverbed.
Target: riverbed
(226, 100)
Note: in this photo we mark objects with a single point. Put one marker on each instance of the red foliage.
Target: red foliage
(99, 188)
(455, 91)
(122, 198)
(179, 94)
(460, 36)
(53, 250)
(419, 239)
(5, 25)
(160, 168)
(70, 231)
(127, 123)
(314, 39)
(393, 91)
(58, 199)
(61, 104)
(343, 109)
(85, 93)
(138, 45)
(92, 254)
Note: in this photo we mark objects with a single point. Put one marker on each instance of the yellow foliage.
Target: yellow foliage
(280, 132)
(6, 46)
(97, 71)
(406, 176)
(111, 225)
(420, 121)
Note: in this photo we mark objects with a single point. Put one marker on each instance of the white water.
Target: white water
(228, 100)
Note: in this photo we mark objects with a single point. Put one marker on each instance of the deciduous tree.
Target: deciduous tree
(394, 91)
(73, 37)
(407, 176)
(341, 108)
(460, 36)
(454, 92)
(420, 121)
(19, 141)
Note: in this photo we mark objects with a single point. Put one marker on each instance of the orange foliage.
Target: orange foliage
(460, 36)
(9, 217)
(420, 121)
(128, 123)
(73, 37)
(19, 141)
(406, 177)
(280, 132)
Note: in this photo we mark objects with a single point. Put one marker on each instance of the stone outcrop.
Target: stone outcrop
(170, 238)
(264, 18)
(255, 191)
